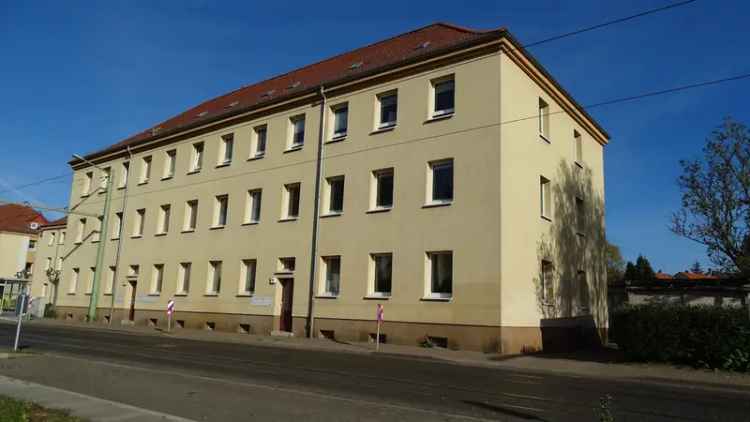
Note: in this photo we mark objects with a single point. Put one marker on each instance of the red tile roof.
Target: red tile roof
(663, 276)
(59, 222)
(420, 43)
(18, 218)
(687, 275)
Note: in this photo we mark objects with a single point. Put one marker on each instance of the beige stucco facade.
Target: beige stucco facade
(15, 253)
(492, 226)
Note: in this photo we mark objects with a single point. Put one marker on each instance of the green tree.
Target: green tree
(696, 268)
(615, 264)
(643, 267)
(715, 190)
(631, 274)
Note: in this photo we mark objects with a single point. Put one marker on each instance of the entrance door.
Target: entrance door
(287, 294)
(133, 285)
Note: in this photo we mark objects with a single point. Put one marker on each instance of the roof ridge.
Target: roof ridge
(330, 58)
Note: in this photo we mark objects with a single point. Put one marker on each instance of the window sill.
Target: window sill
(181, 294)
(78, 242)
(378, 210)
(167, 177)
(94, 241)
(326, 296)
(87, 294)
(382, 129)
(251, 223)
(107, 294)
(195, 171)
(188, 231)
(436, 299)
(331, 214)
(544, 138)
(256, 157)
(244, 295)
(160, 234)
(217, 227)
(373, 297)
(545, 218)
(145, 182)
(71, 293)
(114, 238)
(85, 195)
(293, 148)
(284, 220)
(220, 165)
(336, 138)
(120, 187)
(211, 294)
(136, 236)
(154, 294)
(438, 117)
(437, 204)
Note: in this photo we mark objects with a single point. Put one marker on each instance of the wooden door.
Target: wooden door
(287, 294)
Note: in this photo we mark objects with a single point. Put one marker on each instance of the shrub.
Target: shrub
(700, 336)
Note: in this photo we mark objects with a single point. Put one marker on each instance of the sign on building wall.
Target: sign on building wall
(261, 300)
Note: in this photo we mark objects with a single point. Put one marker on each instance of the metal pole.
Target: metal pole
(20, 317)
(377, 337)
(100, 251)
(310, 324)
(119, 242)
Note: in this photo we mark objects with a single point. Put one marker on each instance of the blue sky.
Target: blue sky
(77, 76)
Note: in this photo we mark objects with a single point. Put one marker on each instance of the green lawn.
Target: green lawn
(19, 411)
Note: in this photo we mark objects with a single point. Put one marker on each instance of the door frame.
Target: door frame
(286, 317)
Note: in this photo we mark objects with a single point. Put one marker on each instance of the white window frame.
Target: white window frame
(146, 163)
(88, 183)
(248, 270)
(165, 214)
(375, 181)
(117, 226)
(213, 283)
(109, 287)
(124, 174)
(254, 200)
(543, 120)
(75, 277)
(436, 84)
(287, 200)
(292, 145)
(191, 216)
(379, 123)
(545, 198)
(578, 148)
(51, 240)
(197, 156)
(221, 211)
(372, 290)
(157, 279)
(583, 296)
(255, 152)
(328, 195)
(139, 223)
(325, 287)
(90, 285)
(81, 231)
(547, 281)
(184, 273)
(430, 194)
(336, 109)
(106, 173)
(226, 152)
(580, 211)
(96, 233)
(170, 164)
(429, 293)
(61, 238)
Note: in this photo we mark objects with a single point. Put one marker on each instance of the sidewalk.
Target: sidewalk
(597, 364)
(80, 405)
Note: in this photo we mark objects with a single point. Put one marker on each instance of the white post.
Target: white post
(20, 316)
(377, 338)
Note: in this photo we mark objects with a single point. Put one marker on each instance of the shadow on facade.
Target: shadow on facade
(571, 285)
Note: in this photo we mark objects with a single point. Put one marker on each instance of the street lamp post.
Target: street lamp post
(102, 240)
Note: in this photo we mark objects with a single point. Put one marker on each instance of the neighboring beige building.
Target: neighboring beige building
(19, 228)
(49, 261)
(460, 187)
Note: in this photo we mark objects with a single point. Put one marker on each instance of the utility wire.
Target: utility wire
(608, 23)
(458, 132)
(533, 44)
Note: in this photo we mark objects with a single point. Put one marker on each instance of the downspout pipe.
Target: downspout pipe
(310, 323)
(119, 241)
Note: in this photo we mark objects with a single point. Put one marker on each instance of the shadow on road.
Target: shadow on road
(505, 410)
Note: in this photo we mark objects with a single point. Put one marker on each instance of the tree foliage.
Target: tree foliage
(640, 271)
(716, 198)
(615, 264)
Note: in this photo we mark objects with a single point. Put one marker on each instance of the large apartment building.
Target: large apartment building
(441, 173)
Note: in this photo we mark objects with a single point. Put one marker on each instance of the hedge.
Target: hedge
(699, 336)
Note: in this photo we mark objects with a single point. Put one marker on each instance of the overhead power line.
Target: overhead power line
(533, 44)
(609, 23)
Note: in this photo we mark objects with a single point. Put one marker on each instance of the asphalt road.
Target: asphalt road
(233, 382)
